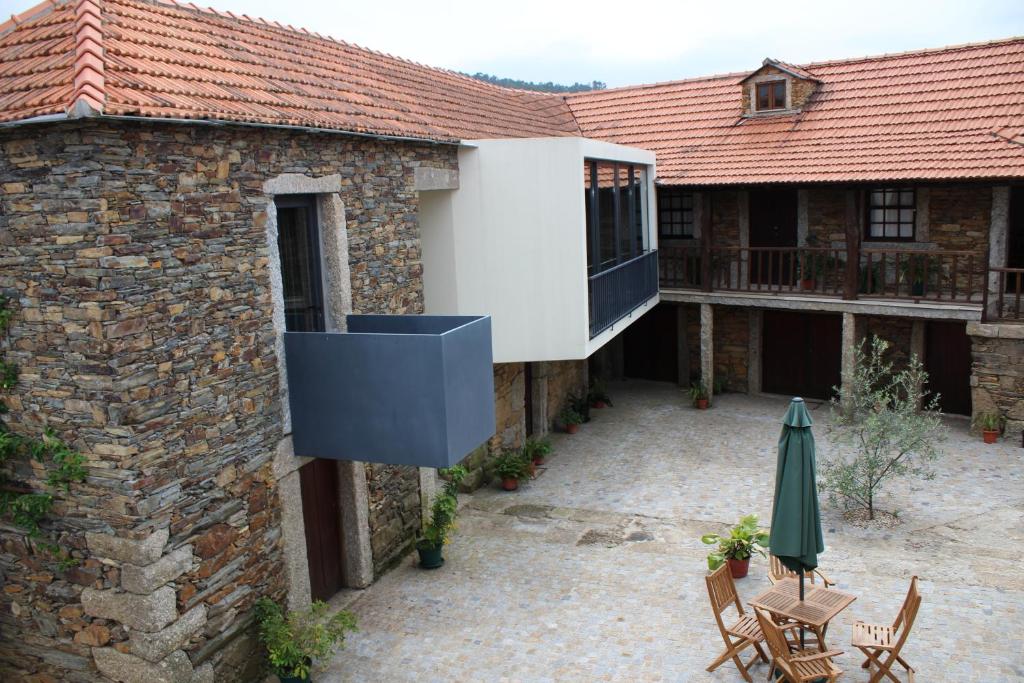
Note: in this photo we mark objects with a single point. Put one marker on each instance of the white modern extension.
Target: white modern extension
(552, 237)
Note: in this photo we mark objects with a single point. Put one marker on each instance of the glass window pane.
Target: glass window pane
(876, 230)
(780, 95)
(587, 203)
(906, 230)
(906, 216)
(907, 198)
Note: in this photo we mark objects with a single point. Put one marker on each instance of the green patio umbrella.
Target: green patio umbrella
(795, 536)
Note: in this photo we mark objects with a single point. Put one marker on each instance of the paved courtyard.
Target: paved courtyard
(594, 571)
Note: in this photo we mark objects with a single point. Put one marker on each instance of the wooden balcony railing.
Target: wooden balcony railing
(947, 276)
(1005, 296)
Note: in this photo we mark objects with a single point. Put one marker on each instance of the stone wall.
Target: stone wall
(564, 378)
(826, 217)
(997, 374)
(731, 347)
(959, 216)
(136, 256)
(725, 218)
(897, 331)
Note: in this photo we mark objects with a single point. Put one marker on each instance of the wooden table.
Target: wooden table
(818, 607)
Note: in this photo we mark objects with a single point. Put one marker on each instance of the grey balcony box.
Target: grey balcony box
(396, 389)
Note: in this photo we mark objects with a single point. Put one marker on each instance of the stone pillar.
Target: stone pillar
(146, 604)
(997, 238)
(850, 342)
(802, 223)
(754, 326)
(428, 490)
(682, 348)
(743, 218)
(707, 348)
(541, 424)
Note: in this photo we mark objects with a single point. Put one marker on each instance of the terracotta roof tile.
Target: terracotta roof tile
(169, 60)
(949, 113)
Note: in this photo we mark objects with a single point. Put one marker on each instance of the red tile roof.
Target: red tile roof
(156, 59)
(949, 113)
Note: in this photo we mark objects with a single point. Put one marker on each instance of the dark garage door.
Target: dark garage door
(947, 358)
(650, 345)
(801, 354)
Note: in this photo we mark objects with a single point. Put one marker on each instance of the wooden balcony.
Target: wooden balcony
(953, 277)
(1004, 296)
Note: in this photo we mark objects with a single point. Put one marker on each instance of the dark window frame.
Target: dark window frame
(311, 244)
(633, 211)
(667, 197)
(770, 85)
(870, 205)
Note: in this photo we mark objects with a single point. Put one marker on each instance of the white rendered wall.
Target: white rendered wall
(511, 243)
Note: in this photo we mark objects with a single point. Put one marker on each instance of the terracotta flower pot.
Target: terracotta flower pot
(538, 461)
(701, 403)
(990, 435)
(532, 469)
(509, 484)
(738, 568)
(571, 429)
(598, 405)
(807, 285)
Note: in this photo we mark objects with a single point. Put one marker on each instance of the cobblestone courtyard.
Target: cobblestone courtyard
(594, 571)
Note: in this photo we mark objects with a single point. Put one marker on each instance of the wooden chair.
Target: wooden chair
(795, 665)
(742, 633)
(778, 571)
(877, 641)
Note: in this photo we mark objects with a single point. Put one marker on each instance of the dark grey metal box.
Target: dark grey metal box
(396, 389)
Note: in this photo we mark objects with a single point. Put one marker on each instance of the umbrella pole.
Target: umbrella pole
(801, 600)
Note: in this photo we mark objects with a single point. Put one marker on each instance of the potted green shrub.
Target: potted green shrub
(512, 467)
(296, 639)
(991, 424)
(537, 450)
(598, 396)
(581, 404)
(571, 420)
(435, 531)
(917, 270)
(699, 395)
(745, 539)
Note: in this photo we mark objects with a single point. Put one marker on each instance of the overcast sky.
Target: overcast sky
(648, 41)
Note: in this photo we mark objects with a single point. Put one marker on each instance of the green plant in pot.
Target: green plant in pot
(991, 425)
(537, 450)
(699, 395)
(598, 396)
(436, 530)
(296, 639)
(581, 404)
(512, 467)
(570, 419)
(744, 539)
(918, 270)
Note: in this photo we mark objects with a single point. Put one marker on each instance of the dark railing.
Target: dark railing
(953, 276)
(1005, 296)
(618, 291)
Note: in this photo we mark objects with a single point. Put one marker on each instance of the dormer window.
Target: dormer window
(771, 95)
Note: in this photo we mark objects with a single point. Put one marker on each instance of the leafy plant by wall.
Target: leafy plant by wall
(20, 504)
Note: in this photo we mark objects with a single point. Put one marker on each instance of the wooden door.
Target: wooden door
(801, 354)
(1015, 244)
(772, 215)
(947, 359)
(321, 512)
(651, 345)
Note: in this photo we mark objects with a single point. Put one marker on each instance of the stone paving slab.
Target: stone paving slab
(594, 571)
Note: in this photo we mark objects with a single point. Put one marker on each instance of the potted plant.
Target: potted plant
(581, 404)
(537, 450)
(809, 268)
(743, 540)
(512, 467)
(571, 420)
(917, 270)
(699, 395)
(294, 640)
(991, 424)
(598, 396)
(435, 531)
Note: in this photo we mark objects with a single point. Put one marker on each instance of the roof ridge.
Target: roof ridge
(88, 93)
(911, 53)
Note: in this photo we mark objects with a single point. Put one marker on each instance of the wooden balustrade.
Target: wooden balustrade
(905, 274)
(1003, 302)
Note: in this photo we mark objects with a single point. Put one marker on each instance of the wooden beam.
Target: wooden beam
(706, 236)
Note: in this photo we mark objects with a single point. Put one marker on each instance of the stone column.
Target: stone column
(682, 348)
(146, 604)
(997, 238)
(743, 209)
(802, 223)
(541, 424)
(917, 331)
(850, 342)
(707, 348)
(428, 490)
(754, 351)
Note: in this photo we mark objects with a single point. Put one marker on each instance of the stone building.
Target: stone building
(803, 208)
(183, 187)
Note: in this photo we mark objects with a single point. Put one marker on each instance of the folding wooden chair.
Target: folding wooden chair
(742, 633)
(795, 665)
(778, 571)
(877, 641)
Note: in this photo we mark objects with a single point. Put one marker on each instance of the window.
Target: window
(298, 241)
(891, 214)
(771, 95)
(675, 213)
(615, 195)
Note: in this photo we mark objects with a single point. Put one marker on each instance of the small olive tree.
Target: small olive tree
(888, 428)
